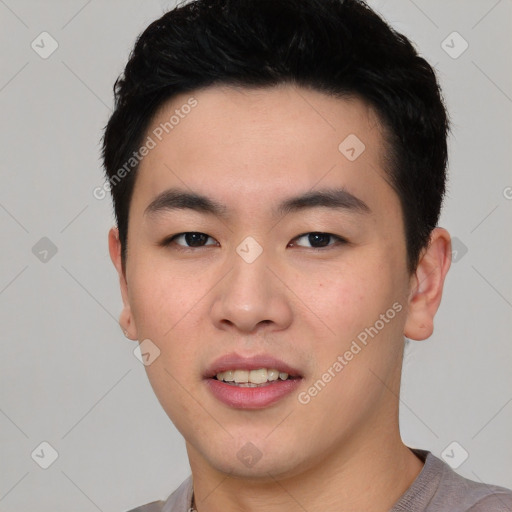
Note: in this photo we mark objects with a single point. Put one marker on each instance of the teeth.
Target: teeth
(228, 376)
(272, 375)
(241, 376)
(259, 376)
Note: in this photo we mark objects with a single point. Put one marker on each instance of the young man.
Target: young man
(278, 169)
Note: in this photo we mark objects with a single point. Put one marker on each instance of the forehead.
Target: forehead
(246, 146)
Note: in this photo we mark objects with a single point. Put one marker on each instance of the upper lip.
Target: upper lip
(234, 361)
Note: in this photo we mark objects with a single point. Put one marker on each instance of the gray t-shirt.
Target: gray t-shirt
(436, 489)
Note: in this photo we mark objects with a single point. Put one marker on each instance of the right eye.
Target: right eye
(192, 238)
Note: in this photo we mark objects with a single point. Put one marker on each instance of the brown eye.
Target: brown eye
(191, 240)
(320, 240)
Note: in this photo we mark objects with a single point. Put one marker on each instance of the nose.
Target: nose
(251, 298)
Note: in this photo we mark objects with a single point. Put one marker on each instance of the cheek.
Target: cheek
(171, 385)
(339, 298)
(362, 348)
(161, 299)
(346, 302)
(163, 309)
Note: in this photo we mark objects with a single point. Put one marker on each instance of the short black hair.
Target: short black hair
(339, 47)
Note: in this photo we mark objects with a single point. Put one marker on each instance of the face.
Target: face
(319, 287)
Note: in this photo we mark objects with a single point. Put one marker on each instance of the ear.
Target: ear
(125, 319)
(427, 285)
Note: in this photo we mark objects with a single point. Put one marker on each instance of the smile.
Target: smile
(252, 378)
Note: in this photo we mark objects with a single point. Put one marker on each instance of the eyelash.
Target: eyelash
(171, 240)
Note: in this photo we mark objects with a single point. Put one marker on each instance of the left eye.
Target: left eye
(320, 240)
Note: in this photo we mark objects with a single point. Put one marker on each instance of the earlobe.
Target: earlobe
(126, 324)
(125, 318)
(427, 286)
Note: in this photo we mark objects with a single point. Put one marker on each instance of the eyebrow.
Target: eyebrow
(179, 199)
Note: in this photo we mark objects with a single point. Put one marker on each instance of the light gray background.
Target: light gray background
(68, 375)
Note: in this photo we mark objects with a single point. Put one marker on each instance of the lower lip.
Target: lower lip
(252, 398)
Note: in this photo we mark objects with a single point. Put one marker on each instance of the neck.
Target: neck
(370, 473)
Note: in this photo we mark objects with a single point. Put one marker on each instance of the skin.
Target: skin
(250, 149)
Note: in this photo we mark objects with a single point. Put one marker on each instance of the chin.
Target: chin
(262, 465)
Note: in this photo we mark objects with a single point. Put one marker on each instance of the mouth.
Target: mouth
(253, 378)
(251, 382)
(256, 369)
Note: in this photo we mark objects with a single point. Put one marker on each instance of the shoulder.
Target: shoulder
(438, 488)
(464, 495)
(154, 506)
(500, 500)
(179, 501)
